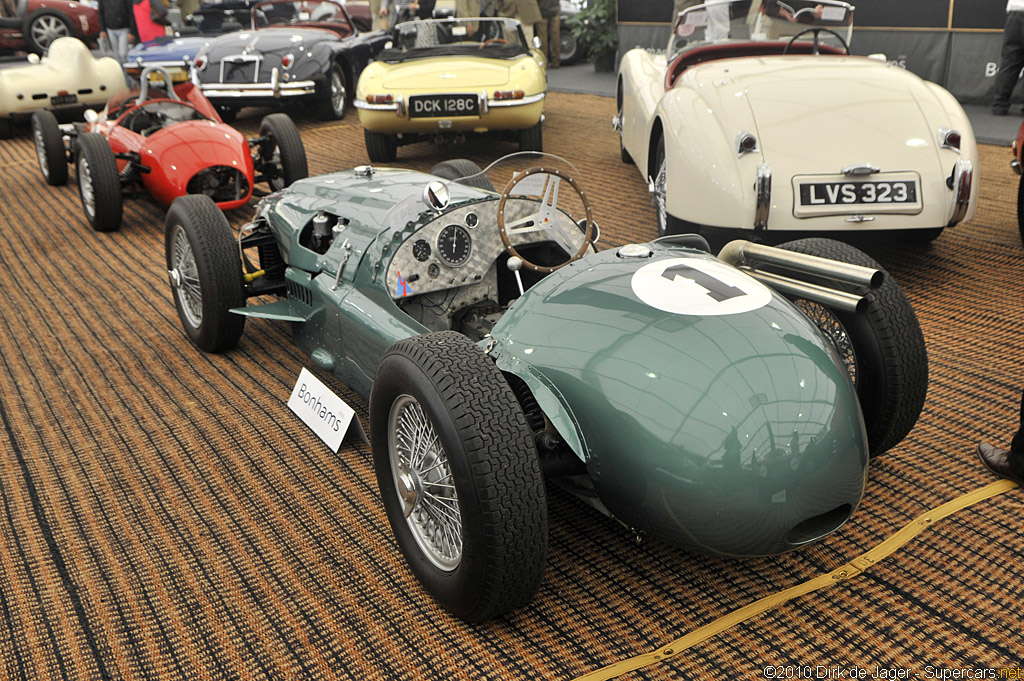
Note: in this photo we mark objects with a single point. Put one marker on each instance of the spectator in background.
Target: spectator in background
(150, 19)
(398, 11)
(549, 31)
(526, 11)
(117, 22)
(1012, 59)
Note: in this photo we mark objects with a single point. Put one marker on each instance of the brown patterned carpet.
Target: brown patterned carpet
(164, 516)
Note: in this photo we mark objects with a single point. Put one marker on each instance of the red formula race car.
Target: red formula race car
(168, 142)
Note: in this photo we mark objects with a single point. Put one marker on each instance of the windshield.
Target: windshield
(213, 19)
(278, 12)
(474, 37)
(725, 21)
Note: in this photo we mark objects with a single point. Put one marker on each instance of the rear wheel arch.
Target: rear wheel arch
(656, 138)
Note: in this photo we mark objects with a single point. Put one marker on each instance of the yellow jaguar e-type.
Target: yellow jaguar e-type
(444, 79)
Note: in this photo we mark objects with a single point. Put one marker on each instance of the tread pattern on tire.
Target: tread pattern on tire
(458, 168)
(214, 250)
(56, 160)
(106, 184)
(895, 324)
(510, 484)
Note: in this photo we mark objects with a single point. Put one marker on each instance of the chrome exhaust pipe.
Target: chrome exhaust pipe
(830, 298)
(744, 253)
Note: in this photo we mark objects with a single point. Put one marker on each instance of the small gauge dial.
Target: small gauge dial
(472, 220)
(433, 270)
(454, 245)
(421, 250)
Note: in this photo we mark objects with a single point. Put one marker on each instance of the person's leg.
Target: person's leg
(542, 33)
(1010, 62)
(554, 50)
(119, 42)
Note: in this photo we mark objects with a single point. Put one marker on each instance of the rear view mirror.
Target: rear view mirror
(436, 195)
(91, 116)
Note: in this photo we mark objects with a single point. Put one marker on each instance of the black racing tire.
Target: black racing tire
(44, 26)
(281, 134)
(458, 168)
(448, 387)
(99, 185)
(532, 139)
(1020, 208)
(920, 236)
(890, 356)
(569, 51)
(332, 106)
(205, 272)
(381, 148)
(667, 224)
(49, 144)
(227, 113)
(5, 128)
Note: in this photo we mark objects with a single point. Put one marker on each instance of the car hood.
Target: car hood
(267, 40)
(819, 114)
(167, 48)
(448, 73)
(710, 411)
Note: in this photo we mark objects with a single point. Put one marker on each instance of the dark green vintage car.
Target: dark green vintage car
(726, 405)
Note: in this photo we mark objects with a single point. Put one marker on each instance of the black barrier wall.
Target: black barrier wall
(955, 43)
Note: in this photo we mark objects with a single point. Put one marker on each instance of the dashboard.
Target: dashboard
(460, 247)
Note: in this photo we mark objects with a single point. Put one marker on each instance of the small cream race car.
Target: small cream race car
(758, 118)
(67, 77)
(443, 79)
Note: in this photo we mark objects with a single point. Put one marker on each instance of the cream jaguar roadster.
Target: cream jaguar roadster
(759, 118)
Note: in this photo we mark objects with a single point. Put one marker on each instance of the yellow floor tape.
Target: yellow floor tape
(851, 569)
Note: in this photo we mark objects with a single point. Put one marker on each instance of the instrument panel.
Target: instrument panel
(458, 247)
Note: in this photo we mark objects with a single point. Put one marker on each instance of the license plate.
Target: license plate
(176, 76)
(61, 100)
(443, 106)
(890, 193)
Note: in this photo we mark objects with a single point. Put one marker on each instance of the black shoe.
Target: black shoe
(1000, 110)
(998, 461)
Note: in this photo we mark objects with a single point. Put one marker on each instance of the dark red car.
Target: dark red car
(31, 25)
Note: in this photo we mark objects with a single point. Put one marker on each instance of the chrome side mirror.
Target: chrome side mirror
(436, 195)
(91, 116)
(33, 58)
(536, 42)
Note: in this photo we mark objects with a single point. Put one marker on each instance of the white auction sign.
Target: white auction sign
(320, 409)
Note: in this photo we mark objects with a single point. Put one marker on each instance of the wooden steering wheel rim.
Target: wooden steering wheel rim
(491, 41)
(588, 234)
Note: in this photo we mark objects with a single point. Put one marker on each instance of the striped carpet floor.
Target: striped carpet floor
(164, 516)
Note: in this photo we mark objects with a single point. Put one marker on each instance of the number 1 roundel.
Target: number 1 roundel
(698, 286)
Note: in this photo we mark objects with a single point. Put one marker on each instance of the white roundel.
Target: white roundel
(698, 286)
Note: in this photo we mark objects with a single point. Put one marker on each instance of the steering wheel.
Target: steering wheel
(817, 42)
(546, 219)
(493, 41)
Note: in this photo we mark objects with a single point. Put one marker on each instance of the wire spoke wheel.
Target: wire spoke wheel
(40, 142)
(661, 196)
(85, 186)
(424, 484)
(834, 330)
(185, 277)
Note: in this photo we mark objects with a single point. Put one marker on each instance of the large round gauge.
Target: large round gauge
(454, 245)
(421, 250)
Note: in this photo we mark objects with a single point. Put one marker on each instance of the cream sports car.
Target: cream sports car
(67, 77)
(443, 79)
(758, 118)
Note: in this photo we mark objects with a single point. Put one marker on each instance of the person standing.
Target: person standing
(116, 25)
(1007, 463)
(529, 15)
(549, 31)
(150, 19)
(1012, 59)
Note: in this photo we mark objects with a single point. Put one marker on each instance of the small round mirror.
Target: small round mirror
(436, 195)
(33, 58)
(536, 43)
(91, 116)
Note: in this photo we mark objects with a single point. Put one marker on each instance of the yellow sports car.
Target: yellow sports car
(443, 79)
